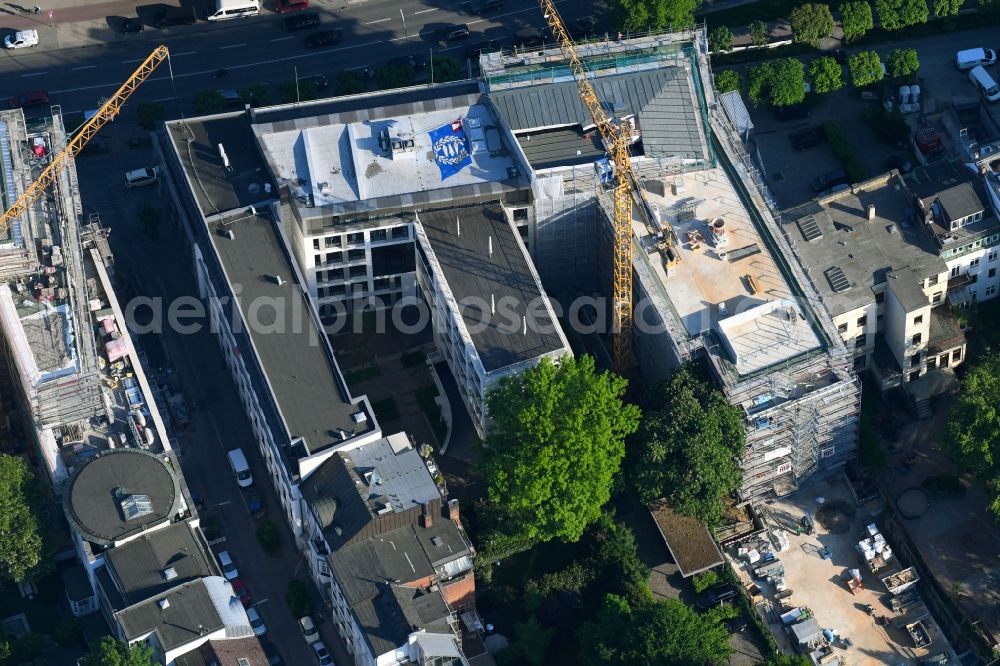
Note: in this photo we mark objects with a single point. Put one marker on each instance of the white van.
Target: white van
(229, 9)
(970, 58)
(987, 86)
(241, 469)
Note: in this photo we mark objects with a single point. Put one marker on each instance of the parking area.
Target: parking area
(859, 626)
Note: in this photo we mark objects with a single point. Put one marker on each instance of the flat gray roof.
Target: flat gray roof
(188, 614)
(564, 146)
(865, 251)
(215, 187)
(475, 276)
(905, 284)
(663, 99)
(90, 500)
(293, 349)
(139, 565)
(960, 201)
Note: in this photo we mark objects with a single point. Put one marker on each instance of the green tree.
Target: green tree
(726, 81)
(297, 598)
(688, 450)
(947, 7)
(865, 68)
(788, 660)
(642, 15)
(788, 82)
(899, 14)
(825, 75)
(810, 23)
(208, 102)
(720, 39)
(306, 91)
(447, 69)
(665, 632)
(394, 76)
(989, 6)
(532, 641)
(704, 580)
(267, 536)
(350, 83)
(68, 631)
(973, 434)
(150, 114)
(555, 444)
(111, 652)
(758, 78)
(21, 543)
(256, 95)
(760, 34)
(902, 63)
(856, 19)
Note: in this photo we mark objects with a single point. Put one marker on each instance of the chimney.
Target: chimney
(871, 212)
(453, 511)
(426, 519)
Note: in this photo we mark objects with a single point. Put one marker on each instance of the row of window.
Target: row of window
(969, 247)
(358, 237)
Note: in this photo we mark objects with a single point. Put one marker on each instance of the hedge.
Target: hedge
(849, 160)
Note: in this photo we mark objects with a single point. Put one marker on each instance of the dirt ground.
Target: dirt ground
(817, 582)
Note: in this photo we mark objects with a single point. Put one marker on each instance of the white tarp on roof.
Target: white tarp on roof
(736, 111)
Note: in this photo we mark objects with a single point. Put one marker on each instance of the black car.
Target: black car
(175, 16)
(131, 25)
(483, 6)
(324, 38)
(318, 80)
(302, 21)
(829, 180)
(716, 595)
(529, 38)
(457, 31)
(808, 138)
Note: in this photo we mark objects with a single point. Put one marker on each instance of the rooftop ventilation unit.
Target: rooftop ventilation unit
(164, 604)
(169, 573)
(838, 281)
(133, 506)
(359, 417)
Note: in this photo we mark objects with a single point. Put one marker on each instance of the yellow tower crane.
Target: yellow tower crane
(617, 137)
(104, 115)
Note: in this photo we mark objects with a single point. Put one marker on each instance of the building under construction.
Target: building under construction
(73, 384)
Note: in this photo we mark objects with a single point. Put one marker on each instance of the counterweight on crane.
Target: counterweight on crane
(617, 137)
(104, 115)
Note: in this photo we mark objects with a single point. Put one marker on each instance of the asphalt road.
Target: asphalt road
(256, 50)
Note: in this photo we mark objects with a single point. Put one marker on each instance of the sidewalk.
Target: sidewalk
(66, 11)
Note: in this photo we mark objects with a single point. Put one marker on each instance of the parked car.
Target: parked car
(978, 57)
(289, 6)
(529, 38)
(233, 99)
(227, 565)
(308, 628)
(808, 138)
(324, 38)
(455, 32)
(302, 21)
(175, 16)
(21, 39)
(141, 177)
(718, 594)
(322, 654)
(240, 589)
(271, 652)
(33, 98)
(487, 46)
(132, 25)
(829, 179)
(483, 6)
(256, 623)
(318, 80)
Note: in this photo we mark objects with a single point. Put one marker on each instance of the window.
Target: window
(878, 320)
(356, 238)
(918, 320)
(974, 263)
(915, 360)
(992, 273)
(317, 260)
(355, 255)
(315, 243)
(842, 328)
(931, 363)
(334, 257)
(827, 452)
(954, 271)
(859, 363)
(379, 234)
(862, 321)
(358, 271)
(990, 291)
(332, 241)
(880, 297)
(860, 340)
(993, 256)
(932, 280)
(936, 298)
(520, 214)
(956, 356)
(917, 338)
(401, 232)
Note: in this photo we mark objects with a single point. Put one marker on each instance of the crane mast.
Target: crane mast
(104, 115)
(617, 138)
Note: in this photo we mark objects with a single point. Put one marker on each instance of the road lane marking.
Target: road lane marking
(424, 11)
(281, 39)
(232, 46)
(129, 62)
(377, 21)
(178, 55)
(84, 67)
(35, 74)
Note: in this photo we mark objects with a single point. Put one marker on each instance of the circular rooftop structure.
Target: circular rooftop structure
(119, 494)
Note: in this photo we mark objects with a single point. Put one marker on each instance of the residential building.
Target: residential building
(393, 559)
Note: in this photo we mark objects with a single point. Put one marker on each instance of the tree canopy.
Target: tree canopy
(350, 83)
(663, 632)
(727, 80)
(856, 19)
(974, 425)
(556, 440)
(759, 33)
(21, 544)
(902, 63)
(394, 76)
(899, 14)
(782, 82)
(642, 15)
(688, 451)
(447, 69)
(208, 102)
(826, 75)
(810, 23)
(111, 652)
(865, 68)
(947, 7)
(720, 39)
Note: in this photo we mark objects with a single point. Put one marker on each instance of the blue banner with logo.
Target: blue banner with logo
(451, 150)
